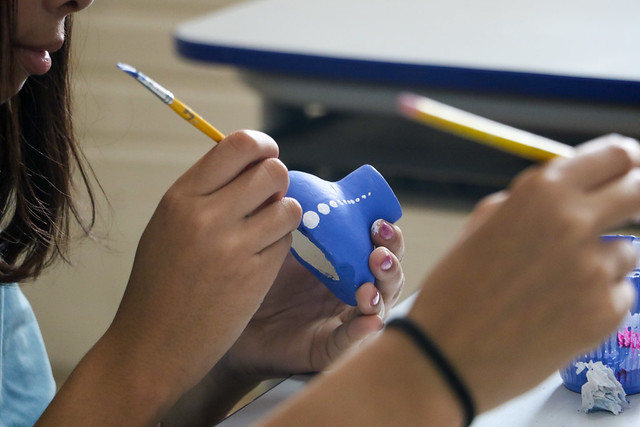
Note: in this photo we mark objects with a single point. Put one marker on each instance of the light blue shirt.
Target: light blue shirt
(26, 381)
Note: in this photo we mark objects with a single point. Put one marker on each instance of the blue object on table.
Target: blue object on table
(334, 240)
(621, 350)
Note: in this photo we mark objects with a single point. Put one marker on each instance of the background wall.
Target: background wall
(138, 147)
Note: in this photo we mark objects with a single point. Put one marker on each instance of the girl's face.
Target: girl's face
(40, 30)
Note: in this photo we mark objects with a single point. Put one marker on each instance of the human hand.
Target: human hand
(530, 284)
(302, 327)
(205, 262)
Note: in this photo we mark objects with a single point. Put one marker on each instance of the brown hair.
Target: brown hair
(38, 157)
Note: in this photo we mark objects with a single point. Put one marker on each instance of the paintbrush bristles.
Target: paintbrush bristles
(165, 95)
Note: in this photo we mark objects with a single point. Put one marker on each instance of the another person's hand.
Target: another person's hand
(531, 283)
(528, 286)
(302, 327)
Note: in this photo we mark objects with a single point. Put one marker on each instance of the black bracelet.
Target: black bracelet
(432, 351)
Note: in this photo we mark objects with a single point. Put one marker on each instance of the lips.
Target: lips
(36, 60)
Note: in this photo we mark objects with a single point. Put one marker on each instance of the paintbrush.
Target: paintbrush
(480, 129)
(176, 105)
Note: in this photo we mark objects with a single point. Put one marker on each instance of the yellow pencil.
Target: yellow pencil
(480, 129)
(176, 105)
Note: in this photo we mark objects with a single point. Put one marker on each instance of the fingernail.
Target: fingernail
(375, 299)
(386, 231)
(383, 229)
(387, 263)
(258, 136)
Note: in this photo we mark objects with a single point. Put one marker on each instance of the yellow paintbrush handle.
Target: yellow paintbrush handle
(194, 118)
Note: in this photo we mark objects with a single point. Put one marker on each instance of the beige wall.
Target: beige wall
(138, 147)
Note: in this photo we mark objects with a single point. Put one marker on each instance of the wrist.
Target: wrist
(139, 378)
(431, 393)
(386, 382)
(438, 360)
(109, 388)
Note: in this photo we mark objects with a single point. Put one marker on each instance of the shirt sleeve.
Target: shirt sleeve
(26, 381)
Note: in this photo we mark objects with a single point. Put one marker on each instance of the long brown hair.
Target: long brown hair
(38, 158)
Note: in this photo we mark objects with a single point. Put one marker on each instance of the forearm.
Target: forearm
(115, 386)
(211, 400)
(110, 386)
(389, 382)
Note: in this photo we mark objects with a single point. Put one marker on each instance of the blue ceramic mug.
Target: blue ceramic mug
(333, 240)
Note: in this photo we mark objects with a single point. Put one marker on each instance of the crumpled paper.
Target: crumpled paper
(602, 391)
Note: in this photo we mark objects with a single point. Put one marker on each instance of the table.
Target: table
(550, 404)
(329, 73)
(572, 51)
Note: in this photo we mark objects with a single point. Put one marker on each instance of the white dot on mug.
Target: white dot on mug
(310, 219)
(323, 208)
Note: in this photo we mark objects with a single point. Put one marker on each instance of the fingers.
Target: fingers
(266, 181)
(613, 294)
(484, 209)
(227, 160)
(618, 257)
(388, 235)
(596, 190)
(372, 300)
(243, 180)
(618, 201)
(384, 261)
(623, 298)
(273, 256)
(376, 299)
(601, 160)
(619, 299)
(624, 252)
(357, 324)
(274, 221)
(353, 331)
(388, 273)
(369, 300)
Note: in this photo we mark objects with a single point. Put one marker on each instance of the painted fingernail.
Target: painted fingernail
(383, 229)
(386, 231)
(387, 263)
(375, 299)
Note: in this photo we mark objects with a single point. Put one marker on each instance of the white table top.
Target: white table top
(586, 49)
(550, 404)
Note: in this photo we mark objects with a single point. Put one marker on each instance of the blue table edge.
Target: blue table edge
(415, 75)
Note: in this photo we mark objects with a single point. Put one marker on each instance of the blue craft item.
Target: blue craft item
(621, 350)
(333, 240)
